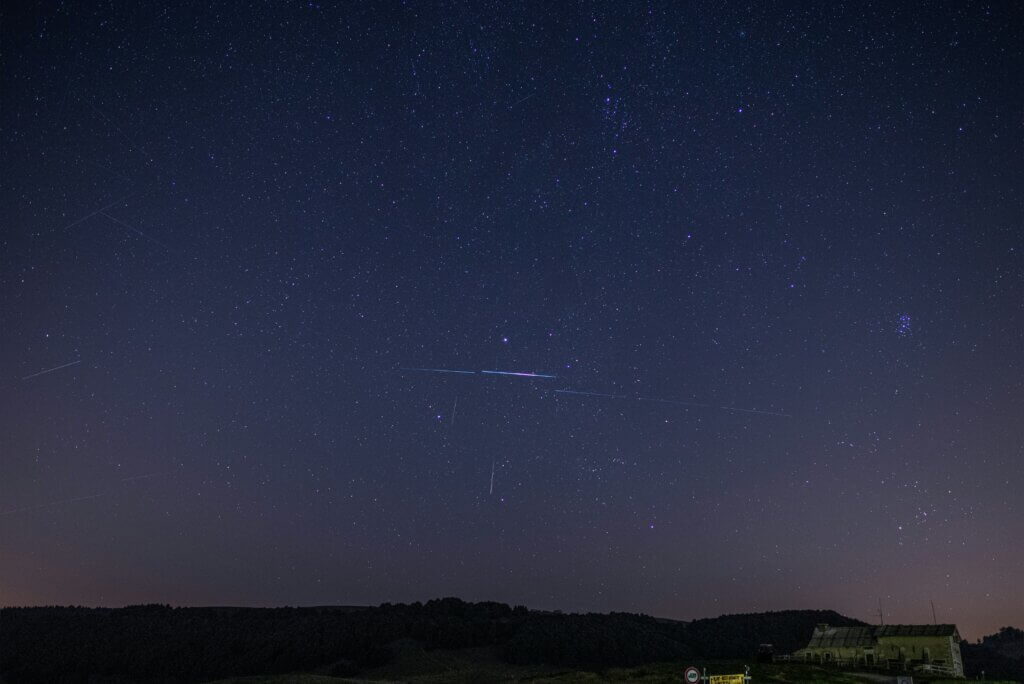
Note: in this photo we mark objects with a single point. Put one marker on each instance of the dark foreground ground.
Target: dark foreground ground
(446, 640)
(472, 666)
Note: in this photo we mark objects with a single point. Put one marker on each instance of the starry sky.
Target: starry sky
(771, 256)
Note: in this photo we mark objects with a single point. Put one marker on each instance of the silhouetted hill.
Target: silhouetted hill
(595, 640)
(157, 643)
(735, 636)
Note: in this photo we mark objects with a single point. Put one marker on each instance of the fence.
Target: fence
(943, 670)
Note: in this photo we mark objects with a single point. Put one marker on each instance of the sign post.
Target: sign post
(727, 679)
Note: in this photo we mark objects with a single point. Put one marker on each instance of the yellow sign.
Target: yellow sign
(726, 679)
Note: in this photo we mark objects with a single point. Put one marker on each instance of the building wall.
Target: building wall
(914, 650)
(954, 647)
(833, 654)
(901, 651)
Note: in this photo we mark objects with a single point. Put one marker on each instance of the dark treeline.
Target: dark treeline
(596, 640)
(733, 636)
(998, 656)
(156, 643)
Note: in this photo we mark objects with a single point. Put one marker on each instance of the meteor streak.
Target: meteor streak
(675, 402)
(133, 229)
(521, 100)
(440, 370)
(50, 370)
(143, 477)
(52, 503)
(592, 394)
(764, 413)
(517, 374)
(98, 211)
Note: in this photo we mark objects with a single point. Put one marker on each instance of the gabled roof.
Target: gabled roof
(827, 636)
(841, 637)
(915, 630)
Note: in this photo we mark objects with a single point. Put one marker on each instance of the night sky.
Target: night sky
(780, 247)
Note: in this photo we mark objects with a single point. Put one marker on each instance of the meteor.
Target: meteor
(764, 413)
(23, 509)
(50, 370)
(98, 211)
(133, 229)
(674, 402)
(592, 394)
(518, 374)
(144, 477)
(74, 499)
(439, 370)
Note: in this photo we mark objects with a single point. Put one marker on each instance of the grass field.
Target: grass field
(661, 674)
(482, 666)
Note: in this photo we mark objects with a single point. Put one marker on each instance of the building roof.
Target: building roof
(826, 636)
(915, 630)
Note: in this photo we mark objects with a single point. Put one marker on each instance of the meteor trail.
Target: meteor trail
(52, 503)
(675, 402)
(483, 372)
(592, 394)
(440, 370)
(492, 476)
(451, 424)
(133, 229)
(25, 509)
(98, 211)
(143, 477)
(517, 374)
(50, 370)
(765, 413)
(521, 100)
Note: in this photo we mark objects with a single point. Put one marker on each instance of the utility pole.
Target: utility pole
(881, 621)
